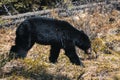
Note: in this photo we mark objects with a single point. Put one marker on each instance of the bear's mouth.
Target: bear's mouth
(88, 51)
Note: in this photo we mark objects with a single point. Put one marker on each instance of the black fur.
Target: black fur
(59, 34)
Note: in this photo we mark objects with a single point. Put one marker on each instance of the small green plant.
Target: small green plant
(98, 45)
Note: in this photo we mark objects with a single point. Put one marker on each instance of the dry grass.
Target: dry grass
(37, 67)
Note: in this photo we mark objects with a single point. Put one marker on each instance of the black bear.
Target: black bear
(57, 33)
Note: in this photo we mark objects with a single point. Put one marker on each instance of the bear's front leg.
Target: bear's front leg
(71, 53)
(54, 53)
(69, 48)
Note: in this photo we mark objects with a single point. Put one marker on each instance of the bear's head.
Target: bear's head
(83, 42)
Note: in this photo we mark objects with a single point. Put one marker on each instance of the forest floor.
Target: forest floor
(104, 32)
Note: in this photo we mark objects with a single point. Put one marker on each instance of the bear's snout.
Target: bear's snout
(88, 51)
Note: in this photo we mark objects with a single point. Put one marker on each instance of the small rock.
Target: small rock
(114, 45)
(107, 51)
(111, 20)
(114, 31)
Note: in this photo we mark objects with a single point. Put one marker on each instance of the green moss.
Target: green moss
(15, 77)
(98, 45)
(117, 77)
(35, 66)
(104, 67)
(30, 69)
